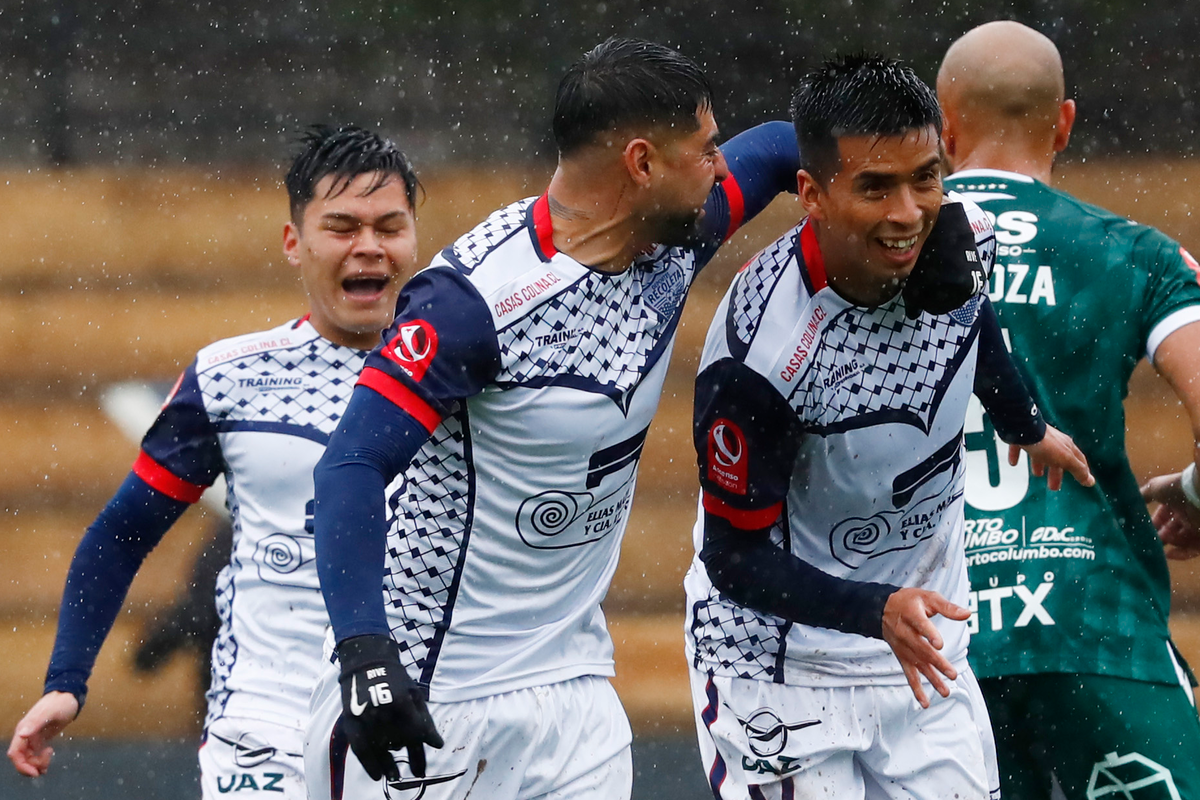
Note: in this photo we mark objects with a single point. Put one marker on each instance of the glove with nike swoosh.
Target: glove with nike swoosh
(383, 710)
(948, 272)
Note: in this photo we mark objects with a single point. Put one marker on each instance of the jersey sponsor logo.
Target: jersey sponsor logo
(992, 599)
(855, 540)
(559, 340)
(728, 456)
(1014, 227)
(799, 355)
(557, 520)
(275, 384)
(250, 348)
(413, 347)
(1009, 286)
(239, 782)
(527, 293)
(767, 734)
(842, 373)
(666, 288)
(249, 749)
(1131, 776)
(414, 788)
(280, 556)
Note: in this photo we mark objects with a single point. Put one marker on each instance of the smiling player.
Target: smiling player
(258, 408)
(829, 569)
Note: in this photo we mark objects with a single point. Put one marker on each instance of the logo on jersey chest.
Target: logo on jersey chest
(413, 347)
(665, 289)
(271, 384)
(791, 368)
(525, 294)
(727, 456)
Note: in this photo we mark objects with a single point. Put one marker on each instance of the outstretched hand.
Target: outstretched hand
(1177, 520)
(30, 751)
(915, 640)
(1053, 455)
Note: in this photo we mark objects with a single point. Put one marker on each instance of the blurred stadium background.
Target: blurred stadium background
(140, 218)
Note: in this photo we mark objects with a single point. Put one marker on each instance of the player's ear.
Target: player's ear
(291, 243)
(811, 194)
(1062, 128)
(638, 157)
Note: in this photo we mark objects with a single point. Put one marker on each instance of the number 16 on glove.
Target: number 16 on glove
(383, 709)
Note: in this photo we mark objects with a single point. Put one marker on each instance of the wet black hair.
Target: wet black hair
(345, 152)
(627, 82)
(857, 95)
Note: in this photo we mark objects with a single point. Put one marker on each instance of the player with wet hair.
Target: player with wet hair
(829, 585)
(1070, 641)
(259, 409)
(505, 415)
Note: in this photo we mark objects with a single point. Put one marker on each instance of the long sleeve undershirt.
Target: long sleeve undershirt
(105, 562)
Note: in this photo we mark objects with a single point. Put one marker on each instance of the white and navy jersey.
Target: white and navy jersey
(537, 378)
(258, 408)
(841, 429)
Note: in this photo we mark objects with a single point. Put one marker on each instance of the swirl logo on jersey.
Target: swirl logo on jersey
(557, 520)
(767, 734)
(727, 456)
(855, 540)
(280, 555)
(413, 347)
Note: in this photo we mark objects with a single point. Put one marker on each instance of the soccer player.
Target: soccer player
(512, 397)
(1070, 590)
(258, 408)
(829, 427)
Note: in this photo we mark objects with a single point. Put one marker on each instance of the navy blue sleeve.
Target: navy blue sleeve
(748, 569)
(1000, 388)
(441, 349)
(105, 562)
(763, 162)
(181, 453)
(373, 443)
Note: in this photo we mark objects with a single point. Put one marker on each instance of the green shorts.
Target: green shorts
(1095, 737)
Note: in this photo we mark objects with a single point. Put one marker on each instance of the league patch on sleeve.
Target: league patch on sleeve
(727, 456)
(413, 347)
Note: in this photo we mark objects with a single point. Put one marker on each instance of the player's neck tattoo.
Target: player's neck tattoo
(557, 209)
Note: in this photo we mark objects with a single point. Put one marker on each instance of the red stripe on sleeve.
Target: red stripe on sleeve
(402, 396)
(813, 258)
(744, 520)
(162, 480)
(543, 226)
(737, 205)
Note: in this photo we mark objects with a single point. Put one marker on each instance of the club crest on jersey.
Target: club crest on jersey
(413, 347)
(727, 456)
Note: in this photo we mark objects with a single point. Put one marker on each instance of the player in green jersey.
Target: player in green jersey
(1070, 588)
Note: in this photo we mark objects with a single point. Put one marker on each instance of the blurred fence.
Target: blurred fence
(214, 82)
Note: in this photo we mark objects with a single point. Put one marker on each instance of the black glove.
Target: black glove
(383, 710)
(948, 272)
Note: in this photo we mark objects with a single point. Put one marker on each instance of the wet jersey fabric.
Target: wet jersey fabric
(1074, 580)
(258, 408)
(536, 378)
(840, 427)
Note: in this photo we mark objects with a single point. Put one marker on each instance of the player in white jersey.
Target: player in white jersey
(259, 409)
(512, 398)
(829, 415)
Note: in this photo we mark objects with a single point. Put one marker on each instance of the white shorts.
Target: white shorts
(762, 740)
(242, 755)
(566, 741)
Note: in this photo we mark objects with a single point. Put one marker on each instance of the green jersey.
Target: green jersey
(1074, 580)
